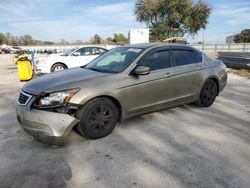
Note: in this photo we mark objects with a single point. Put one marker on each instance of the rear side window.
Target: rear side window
(186, 57)
(157, 60)
(85, 51)
(98, 51)
(198, 57)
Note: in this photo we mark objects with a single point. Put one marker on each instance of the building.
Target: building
(230, 39)
(138, 36)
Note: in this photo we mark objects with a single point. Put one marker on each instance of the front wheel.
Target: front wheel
(97, 118)
(208, 94)
(58, 67)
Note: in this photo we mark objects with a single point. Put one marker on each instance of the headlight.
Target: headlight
(41, 62)
(56, 99)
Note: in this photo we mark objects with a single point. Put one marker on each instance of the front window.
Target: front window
(115, 60)
(157, 60)
(68, 51)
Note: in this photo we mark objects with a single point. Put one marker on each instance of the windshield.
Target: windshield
(68, 51)
(115, 60)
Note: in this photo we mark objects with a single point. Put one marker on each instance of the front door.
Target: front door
(145, 93)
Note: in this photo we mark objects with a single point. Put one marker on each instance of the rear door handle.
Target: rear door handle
(199, 67)
(167, 74)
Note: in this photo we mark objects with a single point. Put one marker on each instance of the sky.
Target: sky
(53, 20)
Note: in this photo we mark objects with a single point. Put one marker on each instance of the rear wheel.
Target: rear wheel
(58, 67)
(208, 94)
(97, 118)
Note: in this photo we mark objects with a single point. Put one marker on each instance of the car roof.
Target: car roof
(172, 45)
(141, 45)
(91, 46)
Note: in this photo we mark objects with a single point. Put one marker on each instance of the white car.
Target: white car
(74, 57)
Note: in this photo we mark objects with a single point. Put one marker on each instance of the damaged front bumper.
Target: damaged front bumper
(48, 127)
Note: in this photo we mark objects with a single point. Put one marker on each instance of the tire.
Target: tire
(58, 67)
(97, 118)
(208, 94)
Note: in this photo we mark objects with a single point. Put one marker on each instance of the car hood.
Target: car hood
(62, 80)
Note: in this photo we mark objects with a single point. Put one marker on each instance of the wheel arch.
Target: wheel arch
(114, 100)
(216, 80)
(58, 63)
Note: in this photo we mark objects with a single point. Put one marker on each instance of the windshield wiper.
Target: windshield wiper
(93, 69)
(100, 70)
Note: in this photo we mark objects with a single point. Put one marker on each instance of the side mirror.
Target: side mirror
(76, 54)
(141, 70)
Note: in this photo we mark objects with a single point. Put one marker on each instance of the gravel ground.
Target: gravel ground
(184, 146)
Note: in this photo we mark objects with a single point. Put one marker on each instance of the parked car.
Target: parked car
(6, 50)
(74, 57)
(15, 49)
(124, 82)
(11, 49)
(235, 60)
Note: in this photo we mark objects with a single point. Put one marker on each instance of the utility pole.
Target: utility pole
(203, 41)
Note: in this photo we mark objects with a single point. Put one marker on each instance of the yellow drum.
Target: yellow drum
(24, 68)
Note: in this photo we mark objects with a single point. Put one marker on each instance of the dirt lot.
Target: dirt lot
(185, 146)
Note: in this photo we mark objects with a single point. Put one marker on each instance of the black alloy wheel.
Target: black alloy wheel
(208, 94)
(98, 118)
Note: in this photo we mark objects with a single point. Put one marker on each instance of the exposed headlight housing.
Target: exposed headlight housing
(56, 99)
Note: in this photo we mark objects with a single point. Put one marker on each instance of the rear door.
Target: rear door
(188, 73)
(150, 92)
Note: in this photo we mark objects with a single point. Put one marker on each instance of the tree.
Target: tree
(13, 42)
(78, 42)
(243, 37)
(63, 42)
(96, 39)
(2, 38)
(109, 40)
(164, 17)
(9, 39)
(120, 38)
(27, 40)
